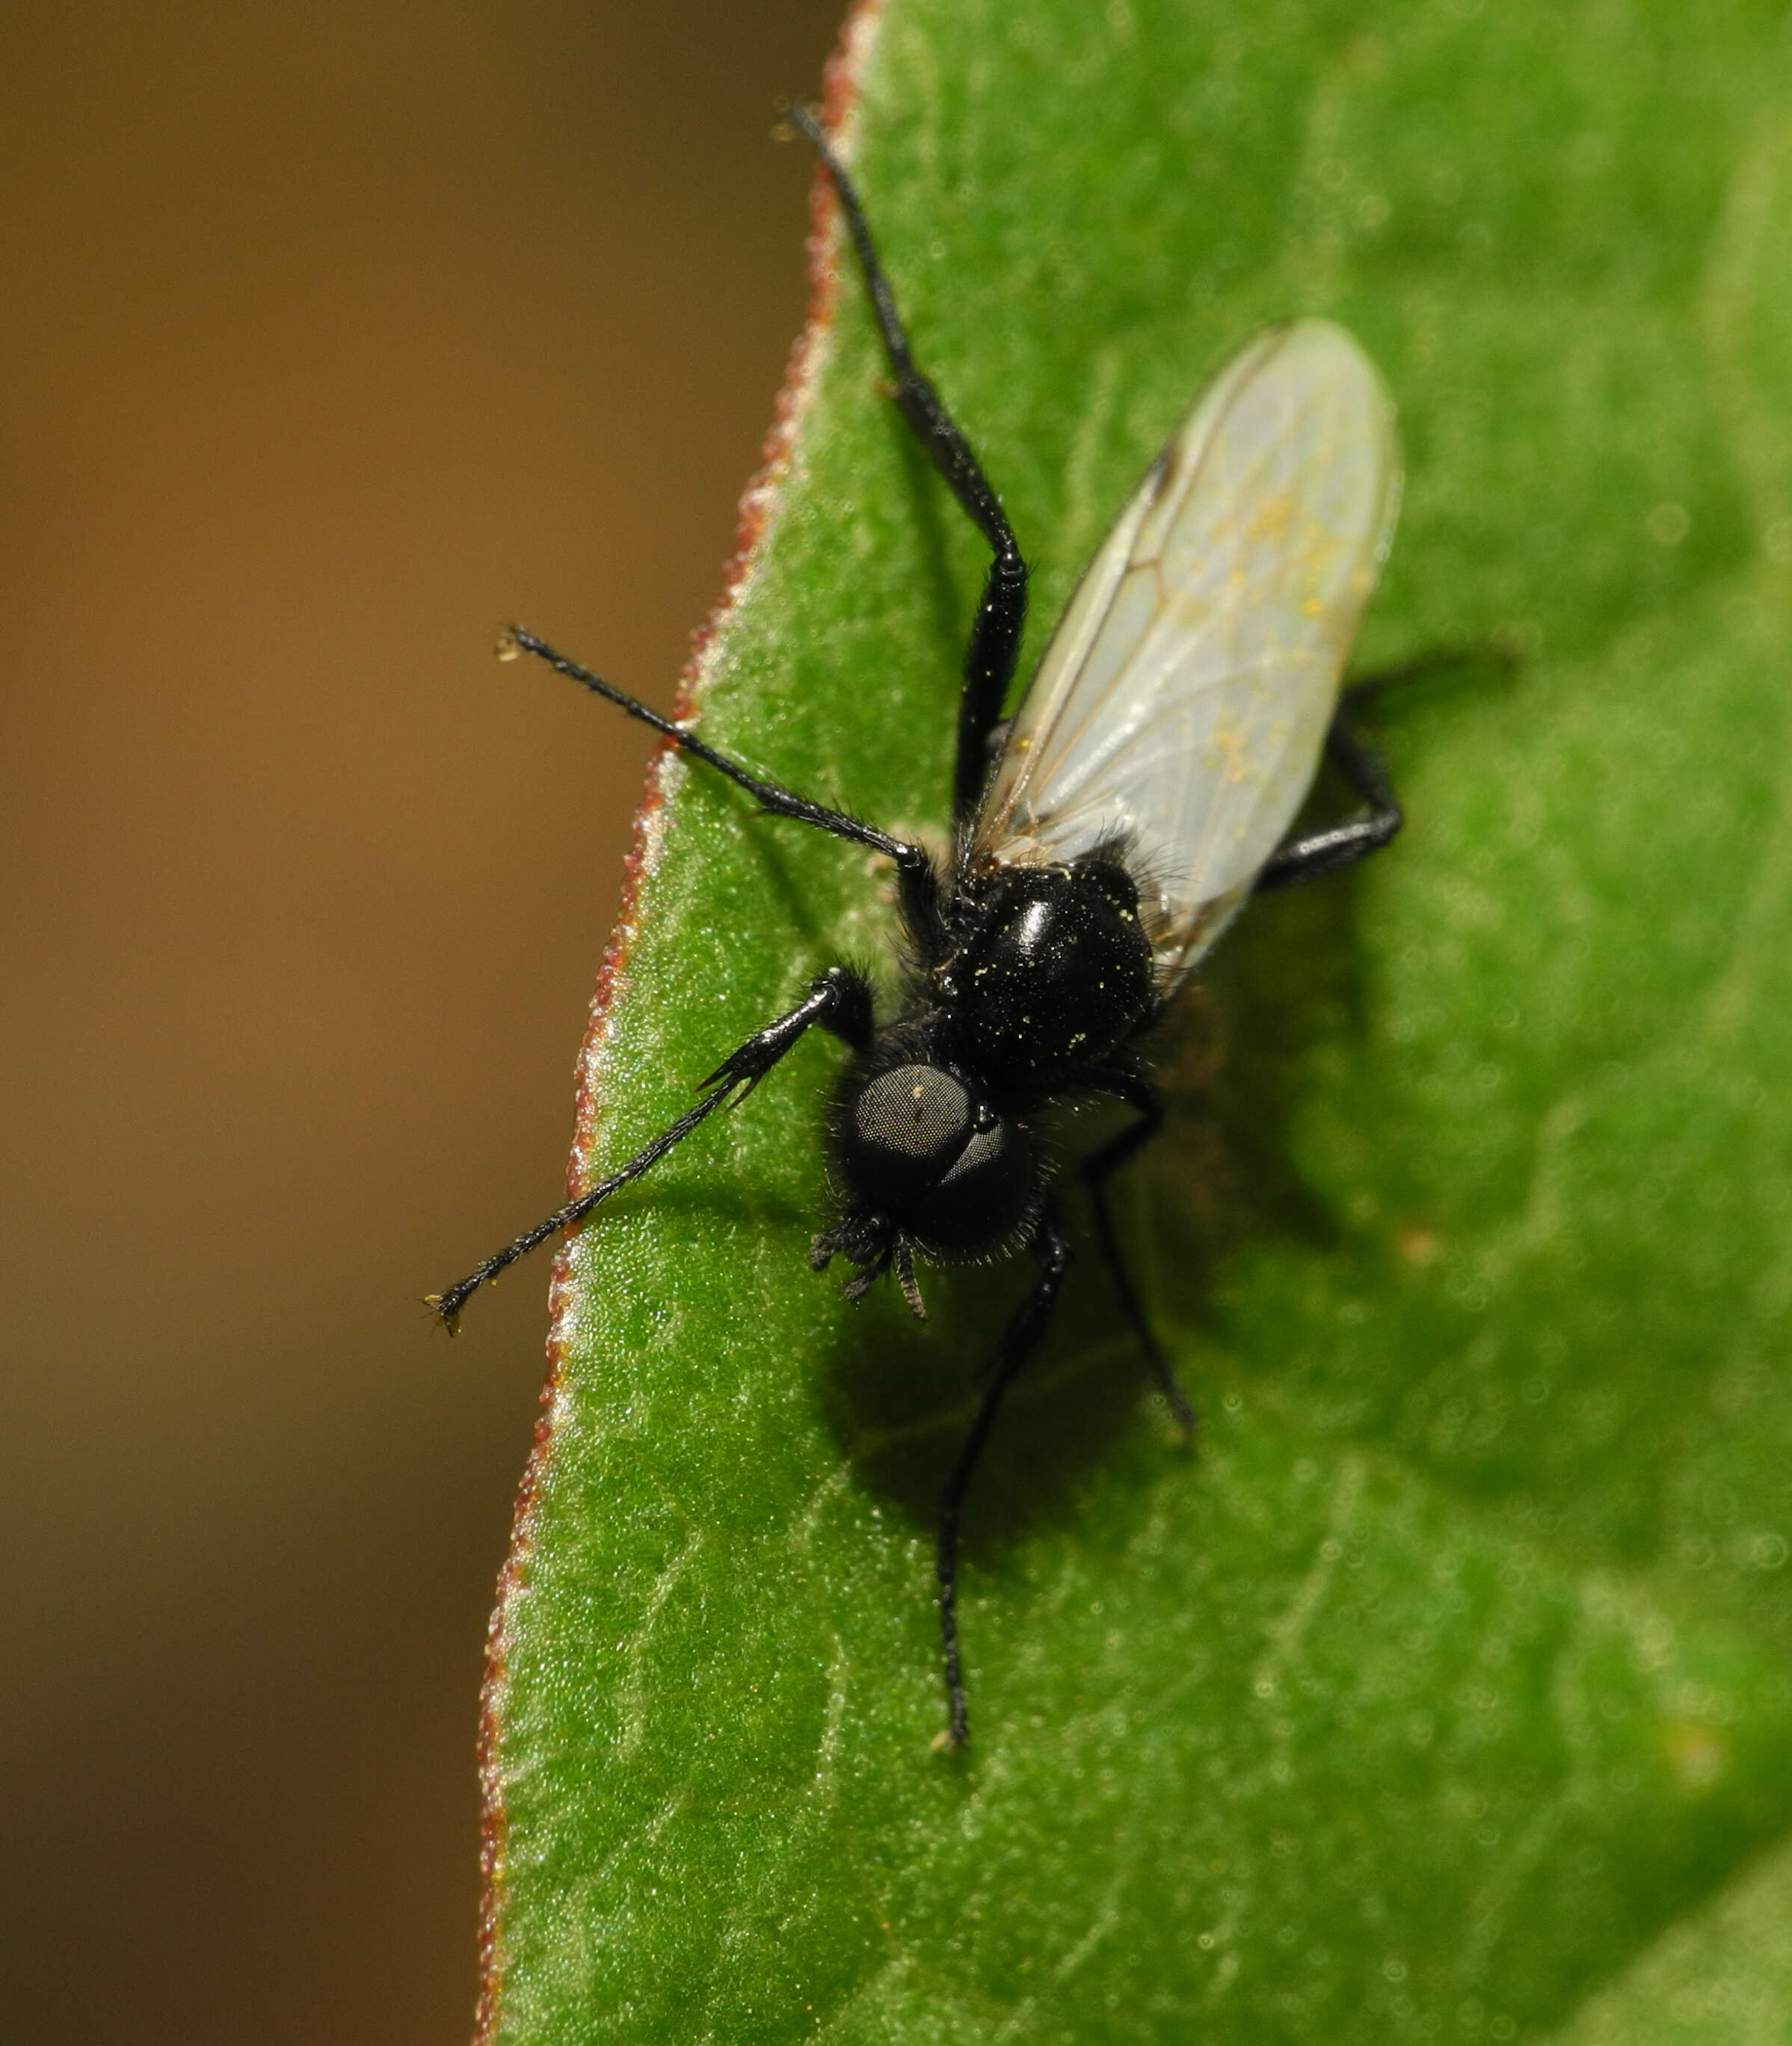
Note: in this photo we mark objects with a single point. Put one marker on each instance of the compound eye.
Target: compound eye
(920, 1150)
(983, 1154)
(985, 1196)
(920, 1113)
(902, 1130)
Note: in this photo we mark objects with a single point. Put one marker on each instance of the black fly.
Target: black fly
(1143, 792)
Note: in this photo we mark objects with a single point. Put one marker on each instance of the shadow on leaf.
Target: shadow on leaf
(1233, 1059)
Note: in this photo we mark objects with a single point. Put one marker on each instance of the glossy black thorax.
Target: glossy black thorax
(1049, 973)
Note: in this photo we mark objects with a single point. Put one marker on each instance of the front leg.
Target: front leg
(839, 1001)
(771, 797)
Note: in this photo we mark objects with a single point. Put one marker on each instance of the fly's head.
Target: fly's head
(926, 1166)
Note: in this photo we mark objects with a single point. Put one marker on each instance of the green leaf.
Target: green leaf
(1455, 1667)
(1723, 1979)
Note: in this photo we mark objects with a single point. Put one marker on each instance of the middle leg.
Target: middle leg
(839, 1001)
(1021, 1338)
(1138, 1093)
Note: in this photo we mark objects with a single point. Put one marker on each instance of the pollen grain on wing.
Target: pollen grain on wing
(1268, 522)
(1227, 751)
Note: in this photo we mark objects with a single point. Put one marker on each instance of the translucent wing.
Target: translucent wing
(1181, 705)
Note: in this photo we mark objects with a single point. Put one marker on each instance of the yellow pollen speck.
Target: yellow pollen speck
(1273, 515)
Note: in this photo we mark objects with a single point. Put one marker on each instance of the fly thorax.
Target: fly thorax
(1053, 975)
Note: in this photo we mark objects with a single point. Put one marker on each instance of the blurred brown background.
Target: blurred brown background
(331, 338)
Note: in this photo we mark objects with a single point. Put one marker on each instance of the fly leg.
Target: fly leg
(917, 884)
(1313, 853)
(1137, 1092)
(1019, 1340)
(995, 640)
(1308, 855)
(840, 1001)
(771, 796)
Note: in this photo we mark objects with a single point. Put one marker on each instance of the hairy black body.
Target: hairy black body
(1028, 986)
